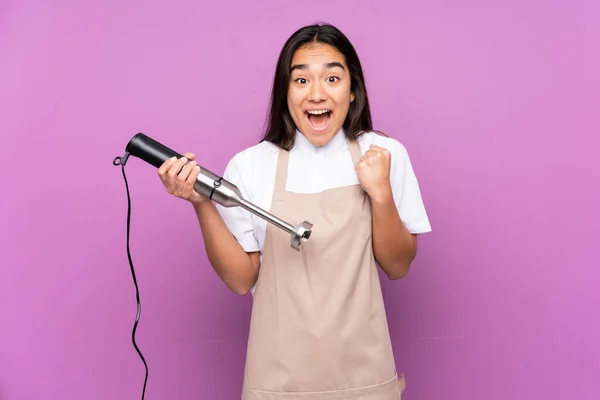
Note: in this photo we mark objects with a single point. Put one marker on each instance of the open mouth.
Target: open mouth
(319, 119)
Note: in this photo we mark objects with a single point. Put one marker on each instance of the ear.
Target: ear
(352, 97)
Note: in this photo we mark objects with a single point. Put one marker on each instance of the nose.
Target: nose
(317, 92)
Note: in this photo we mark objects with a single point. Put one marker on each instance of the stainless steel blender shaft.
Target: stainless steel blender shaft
(227, 194)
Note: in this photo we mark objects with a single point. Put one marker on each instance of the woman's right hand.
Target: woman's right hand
(179, 176)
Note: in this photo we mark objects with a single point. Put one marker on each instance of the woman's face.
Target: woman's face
(319, 92)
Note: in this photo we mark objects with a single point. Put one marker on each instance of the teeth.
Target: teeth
(317, 112)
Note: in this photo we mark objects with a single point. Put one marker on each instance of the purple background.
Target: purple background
(497, 102)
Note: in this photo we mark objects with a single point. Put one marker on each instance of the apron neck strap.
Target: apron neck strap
(355, 151)
(281, 172)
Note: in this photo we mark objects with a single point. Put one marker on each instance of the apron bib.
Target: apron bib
(318, 328)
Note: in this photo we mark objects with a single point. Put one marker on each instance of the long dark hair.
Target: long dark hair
(281, 129)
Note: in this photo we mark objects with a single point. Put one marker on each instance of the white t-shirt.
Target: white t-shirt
(312, 169)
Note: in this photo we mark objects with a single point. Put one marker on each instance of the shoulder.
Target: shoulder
(251, 165)
(253, 157)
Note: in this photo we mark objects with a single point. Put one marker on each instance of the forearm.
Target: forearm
(394, 246)
(238, 269)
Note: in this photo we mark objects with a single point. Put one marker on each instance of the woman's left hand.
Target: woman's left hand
(373, 170)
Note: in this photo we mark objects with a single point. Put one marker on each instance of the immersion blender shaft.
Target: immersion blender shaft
(268, 216)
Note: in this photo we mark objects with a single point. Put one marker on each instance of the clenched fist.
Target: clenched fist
(373, 170)
(179, 176)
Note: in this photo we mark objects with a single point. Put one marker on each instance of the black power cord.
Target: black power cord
(121, 161)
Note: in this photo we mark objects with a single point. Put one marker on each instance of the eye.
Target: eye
(300, 80)
(333, 79)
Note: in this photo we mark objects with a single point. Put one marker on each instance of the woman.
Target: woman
(318, 326)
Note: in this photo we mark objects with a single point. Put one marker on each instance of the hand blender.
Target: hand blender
(214, 187)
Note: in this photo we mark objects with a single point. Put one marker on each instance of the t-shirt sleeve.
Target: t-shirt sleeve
(406, 191)
(238, 220)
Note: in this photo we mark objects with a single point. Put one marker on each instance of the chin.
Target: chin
(319, 138)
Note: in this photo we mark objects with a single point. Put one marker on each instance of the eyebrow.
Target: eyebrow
(328, 65)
